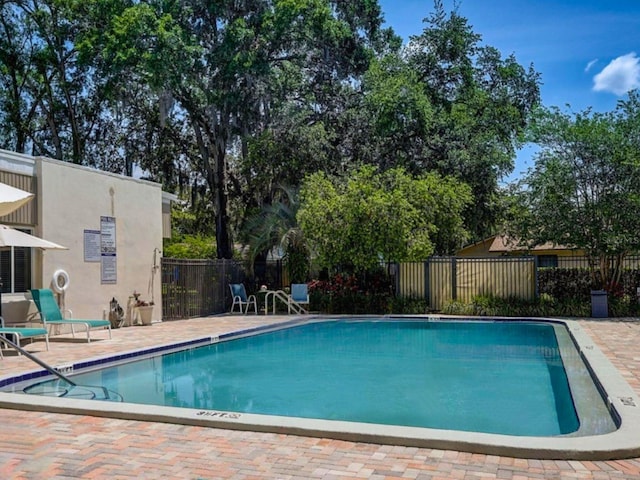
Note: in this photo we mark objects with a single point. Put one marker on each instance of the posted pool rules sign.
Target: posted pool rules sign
(108, 254)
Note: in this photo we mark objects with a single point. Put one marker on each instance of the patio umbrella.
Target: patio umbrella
(12, 198)
(10, 237)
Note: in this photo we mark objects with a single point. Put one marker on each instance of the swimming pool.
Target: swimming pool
(257, 372)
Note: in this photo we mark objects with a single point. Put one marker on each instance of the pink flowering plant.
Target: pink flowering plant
(345, 293)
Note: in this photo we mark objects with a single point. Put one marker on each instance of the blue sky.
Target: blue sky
(587, 51)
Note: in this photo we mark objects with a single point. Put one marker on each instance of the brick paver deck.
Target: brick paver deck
(36, 445)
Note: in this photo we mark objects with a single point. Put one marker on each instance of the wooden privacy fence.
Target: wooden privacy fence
(441, 279)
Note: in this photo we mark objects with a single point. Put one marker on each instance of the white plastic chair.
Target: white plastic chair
(240, 298)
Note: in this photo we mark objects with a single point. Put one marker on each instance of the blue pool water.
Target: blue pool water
(495, 377)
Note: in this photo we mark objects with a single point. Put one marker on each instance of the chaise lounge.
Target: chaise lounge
(20, 333)
(51, 315)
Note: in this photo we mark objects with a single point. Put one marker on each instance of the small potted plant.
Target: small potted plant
(144, 309)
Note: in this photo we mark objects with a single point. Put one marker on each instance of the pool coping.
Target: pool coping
(619, 397)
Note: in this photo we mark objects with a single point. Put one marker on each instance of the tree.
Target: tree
(59, 100)
(282, 155)
(584, 190)
(224, 101)
(400, 113)
(18, 107)
(275, 226)
(481, 105)
(359, 221)
(217, 61)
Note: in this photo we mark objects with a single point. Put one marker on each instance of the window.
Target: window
(547, 261)
(21, 268)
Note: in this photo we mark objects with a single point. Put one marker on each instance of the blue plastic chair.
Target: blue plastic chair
(299, 296)
(240, 298)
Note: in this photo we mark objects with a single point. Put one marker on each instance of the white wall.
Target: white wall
(71, 199)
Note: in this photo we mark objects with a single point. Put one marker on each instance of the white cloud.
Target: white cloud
(621, 75)
(590, 64)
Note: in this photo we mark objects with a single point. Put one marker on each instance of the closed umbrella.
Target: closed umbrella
(10, 237)
(12, 198)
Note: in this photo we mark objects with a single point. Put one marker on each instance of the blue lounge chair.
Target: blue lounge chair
(299, 296)
(51, 315)
(240, 298)
(19, 333)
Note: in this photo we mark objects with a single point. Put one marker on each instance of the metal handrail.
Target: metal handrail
(108, 394)
(284, 298)
(276, 294)
(35, 359)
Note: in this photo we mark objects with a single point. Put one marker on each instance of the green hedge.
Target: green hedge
(545, 306)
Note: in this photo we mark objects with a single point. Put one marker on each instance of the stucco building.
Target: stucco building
(112, 225)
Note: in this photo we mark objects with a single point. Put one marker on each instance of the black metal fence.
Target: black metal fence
(441, 279)
(193, 288)
(196, 288)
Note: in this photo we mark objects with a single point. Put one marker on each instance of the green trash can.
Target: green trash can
(599, 305)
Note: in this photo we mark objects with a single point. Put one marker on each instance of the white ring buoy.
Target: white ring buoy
(58, 286)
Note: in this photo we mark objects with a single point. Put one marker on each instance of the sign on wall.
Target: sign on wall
(92, 251)
(108, 254)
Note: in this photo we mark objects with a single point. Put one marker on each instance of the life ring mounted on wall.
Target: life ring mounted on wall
(60, 281)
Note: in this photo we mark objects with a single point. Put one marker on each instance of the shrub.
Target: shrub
(406, 306)
(545, 306)
(564, 283)
(189, 246)
(624, 306)
(570, 290)
(371, 293)
(563, 293)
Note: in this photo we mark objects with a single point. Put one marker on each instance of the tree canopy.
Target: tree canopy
(223, 101)
(452, 105)
(584, 190)
(369, 217)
